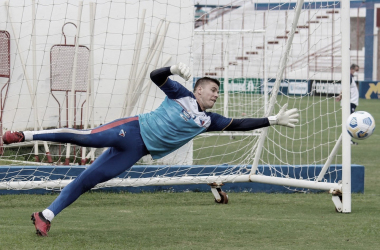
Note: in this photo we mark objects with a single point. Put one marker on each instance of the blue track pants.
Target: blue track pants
(125, 144)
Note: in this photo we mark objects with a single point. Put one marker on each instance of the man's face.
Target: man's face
(354, 70)
(207, 95)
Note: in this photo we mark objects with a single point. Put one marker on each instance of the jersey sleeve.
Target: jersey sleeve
(175, 90)
(159, 76)
(248, 124)
(218, 122)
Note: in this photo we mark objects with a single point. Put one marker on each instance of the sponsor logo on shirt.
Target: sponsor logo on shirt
(122, 133)
(185, 115)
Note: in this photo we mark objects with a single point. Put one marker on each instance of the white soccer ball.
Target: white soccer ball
(360, 125)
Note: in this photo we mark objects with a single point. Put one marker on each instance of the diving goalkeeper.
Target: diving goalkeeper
(181, 116)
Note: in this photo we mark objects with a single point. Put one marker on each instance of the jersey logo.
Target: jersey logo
(185, 115)
(122, 133)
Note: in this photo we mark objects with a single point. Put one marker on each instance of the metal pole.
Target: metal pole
(90, 81)
(266, 94)
(225, 84)
(34, 77)
(72, 100)
(346, 140)
(332, 42)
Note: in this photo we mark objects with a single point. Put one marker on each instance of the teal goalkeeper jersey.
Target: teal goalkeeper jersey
(176, 121)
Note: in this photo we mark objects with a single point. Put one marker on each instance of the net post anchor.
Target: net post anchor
(219, 196)
(337, 199)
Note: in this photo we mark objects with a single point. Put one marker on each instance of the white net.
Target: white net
(243, 42)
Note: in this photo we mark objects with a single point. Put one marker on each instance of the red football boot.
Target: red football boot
(13, 136)
(41, 224)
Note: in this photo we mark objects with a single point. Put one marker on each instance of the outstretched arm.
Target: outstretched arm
(285, 117)
(159, 76)
(247, 124)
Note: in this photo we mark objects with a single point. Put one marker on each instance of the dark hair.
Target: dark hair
(203, 80)
(353, 66)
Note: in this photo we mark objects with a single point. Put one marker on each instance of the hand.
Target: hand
(338, 98)
(182, 70)
(285, 117)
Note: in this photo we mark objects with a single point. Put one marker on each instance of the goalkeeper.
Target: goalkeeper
(180, 117)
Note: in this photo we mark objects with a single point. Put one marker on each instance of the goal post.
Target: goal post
(265, 55)
(346, 140)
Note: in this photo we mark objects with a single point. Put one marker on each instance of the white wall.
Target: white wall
(115, 34)
(116, 28)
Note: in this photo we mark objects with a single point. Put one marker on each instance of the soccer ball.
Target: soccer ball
(360, 125)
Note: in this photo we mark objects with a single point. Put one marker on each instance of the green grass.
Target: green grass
(193, 221)
(309, 143)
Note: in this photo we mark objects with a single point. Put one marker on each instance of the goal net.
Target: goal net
(264, 54)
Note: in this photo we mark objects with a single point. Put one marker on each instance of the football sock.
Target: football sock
(28, 135)
(48, 214)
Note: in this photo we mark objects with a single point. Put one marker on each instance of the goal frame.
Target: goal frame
(342, 189)
(346, 140)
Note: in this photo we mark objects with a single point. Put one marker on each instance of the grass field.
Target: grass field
(193, 221)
